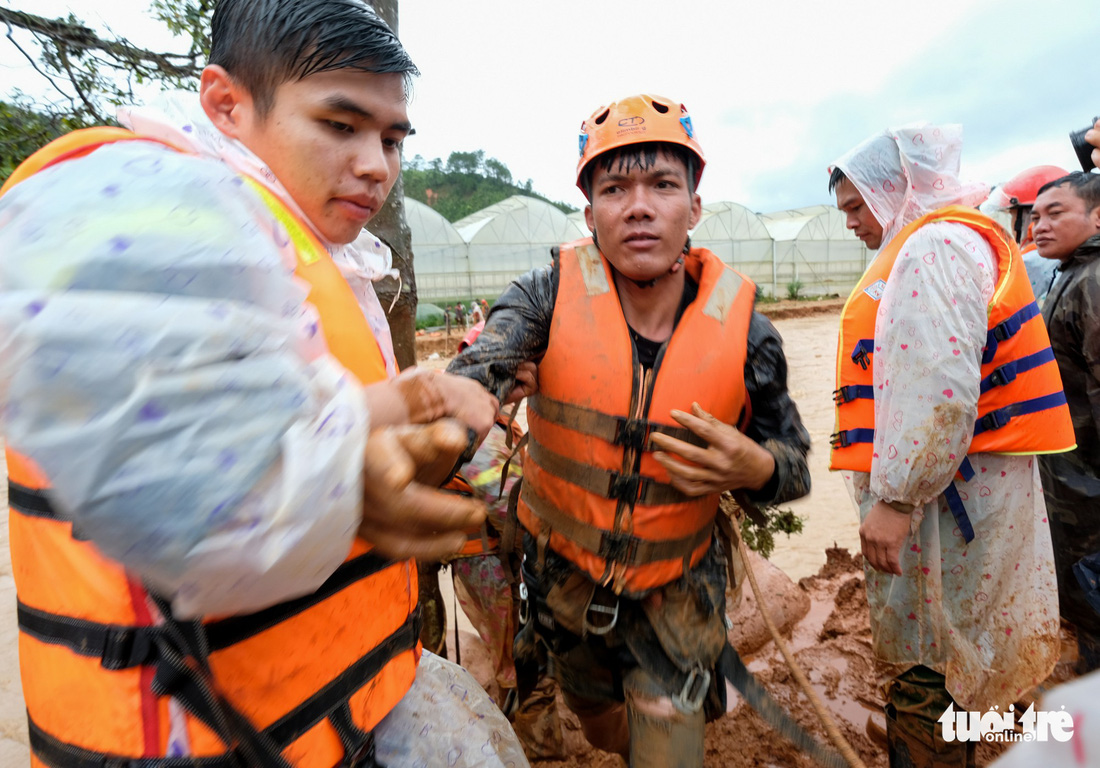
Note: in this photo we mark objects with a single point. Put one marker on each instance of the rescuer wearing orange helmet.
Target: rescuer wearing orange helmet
(650, 357)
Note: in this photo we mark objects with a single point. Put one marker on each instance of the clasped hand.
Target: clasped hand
(404, 514)
(729, 461)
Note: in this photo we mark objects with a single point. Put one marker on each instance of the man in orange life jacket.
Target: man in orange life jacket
(947, 388)
(211, 522)
(650, 353)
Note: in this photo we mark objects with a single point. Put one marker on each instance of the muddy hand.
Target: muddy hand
(405, 518)
(729, 461)
(468, 402)
(882, 535)
(527, 382)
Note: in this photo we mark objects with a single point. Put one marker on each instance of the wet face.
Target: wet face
(641, 215)
(1061, 222)
(334, 141)
(858, 216)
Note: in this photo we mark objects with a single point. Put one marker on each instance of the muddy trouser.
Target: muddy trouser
(611, 653)
(433, 631)
(915, 700)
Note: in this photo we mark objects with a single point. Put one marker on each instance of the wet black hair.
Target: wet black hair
(1085, 185)
(641, 156)
(265, 43)
(835, 177)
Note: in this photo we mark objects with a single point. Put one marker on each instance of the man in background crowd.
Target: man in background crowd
(1066, 225)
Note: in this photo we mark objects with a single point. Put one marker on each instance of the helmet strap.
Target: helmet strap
(671, 270)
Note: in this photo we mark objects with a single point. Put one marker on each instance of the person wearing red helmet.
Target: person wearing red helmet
(1017, 196)
(659, 388)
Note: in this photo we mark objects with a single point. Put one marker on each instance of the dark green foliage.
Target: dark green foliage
(23, 130)
(466, 183)
(762, 540)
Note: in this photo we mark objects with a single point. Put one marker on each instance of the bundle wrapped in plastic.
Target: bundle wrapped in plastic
(446, 719)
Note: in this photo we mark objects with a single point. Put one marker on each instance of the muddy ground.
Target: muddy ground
(819, 591)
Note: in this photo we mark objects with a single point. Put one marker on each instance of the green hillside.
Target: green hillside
(466, 183)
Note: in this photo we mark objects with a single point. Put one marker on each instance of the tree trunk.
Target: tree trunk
(390, 227)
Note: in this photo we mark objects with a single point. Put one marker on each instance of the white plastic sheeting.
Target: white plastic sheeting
(512, 237)
(738, 237)
(805, 248)
(440, 256)
(814, 253)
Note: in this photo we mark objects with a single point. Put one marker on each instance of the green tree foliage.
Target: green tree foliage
(465, 183)
(762, 538)
(88, 75)
(23, 130)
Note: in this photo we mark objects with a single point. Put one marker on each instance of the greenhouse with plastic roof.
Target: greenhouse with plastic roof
(800, 252)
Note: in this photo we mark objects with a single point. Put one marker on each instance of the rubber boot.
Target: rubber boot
(914, 742)
(915, 700)
(537, 724)
(661, 736)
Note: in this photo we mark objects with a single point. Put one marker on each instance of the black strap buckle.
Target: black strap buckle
(626, 487)
(861, 358)
(632, 433)
(994, 420)
(839, 439)
(125, 647)
(618, 547)
(1003, 375)
(843, 395)
(1006, 329)
(364, 756)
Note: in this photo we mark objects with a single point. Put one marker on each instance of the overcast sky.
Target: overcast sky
(777, 89)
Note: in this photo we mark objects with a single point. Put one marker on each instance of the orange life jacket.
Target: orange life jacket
(297, 684)
(590, 480)
(1021, 406)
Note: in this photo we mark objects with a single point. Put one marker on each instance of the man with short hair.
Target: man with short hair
(946, 388)
(211, 522)
(1066, 225)
(651, 356)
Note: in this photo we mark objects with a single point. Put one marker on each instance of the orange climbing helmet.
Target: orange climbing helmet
(1023, 188)
(635, 120)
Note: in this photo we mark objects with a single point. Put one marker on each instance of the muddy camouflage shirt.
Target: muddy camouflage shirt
(518, 329)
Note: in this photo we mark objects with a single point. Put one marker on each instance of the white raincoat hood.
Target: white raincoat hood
(907, 172)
